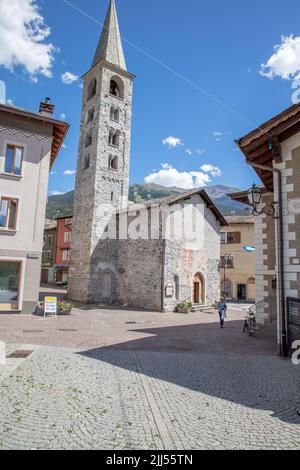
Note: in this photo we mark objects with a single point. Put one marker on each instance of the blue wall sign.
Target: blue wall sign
(249, 249)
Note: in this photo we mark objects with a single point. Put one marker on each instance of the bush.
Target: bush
(64, 306)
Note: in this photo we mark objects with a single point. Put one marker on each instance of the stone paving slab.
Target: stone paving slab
(90, 326)
(104, 398)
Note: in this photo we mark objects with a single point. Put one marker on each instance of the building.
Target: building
(273, 150)
(62, 249)
(239, 263)
(151, 273)
(49, 251)
(29, 144)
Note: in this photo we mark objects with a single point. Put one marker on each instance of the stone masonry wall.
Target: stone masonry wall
(98, 189)
(184, 260)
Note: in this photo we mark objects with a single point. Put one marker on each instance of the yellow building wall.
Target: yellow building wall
(244, 263)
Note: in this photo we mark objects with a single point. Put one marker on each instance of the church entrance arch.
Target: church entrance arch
(198, 296)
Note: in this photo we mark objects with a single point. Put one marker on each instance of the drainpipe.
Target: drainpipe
(284, 345)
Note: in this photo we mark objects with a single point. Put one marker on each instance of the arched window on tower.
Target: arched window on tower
(114, 114)
(90, 116)
(86, 162)
(88, 140)
(92, 88)
(116, 87)
(113, 162)
(114, 138)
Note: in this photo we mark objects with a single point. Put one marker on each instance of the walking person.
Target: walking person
(222, 309)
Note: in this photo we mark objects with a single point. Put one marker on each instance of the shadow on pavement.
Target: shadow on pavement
(262, 381)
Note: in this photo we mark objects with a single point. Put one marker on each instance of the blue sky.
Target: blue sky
(218, 46)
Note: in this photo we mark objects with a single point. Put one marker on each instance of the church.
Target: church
(151, 255)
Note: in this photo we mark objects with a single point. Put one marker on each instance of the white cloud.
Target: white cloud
(68, 78)
(172, 142)
(165, 166)
(218, 135)
(52, 173)
(211, 169)
(56, 193)
(22, 32)
(285, 62)
(10, 102)
(64, 146)
(69, 172)
(62, 117)
(181, 179)
(189, 152)
(201, 151)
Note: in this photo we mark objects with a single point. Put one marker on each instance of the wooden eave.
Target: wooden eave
(257, 148)
(60, 128)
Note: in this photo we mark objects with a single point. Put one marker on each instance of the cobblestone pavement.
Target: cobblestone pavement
(109, 398)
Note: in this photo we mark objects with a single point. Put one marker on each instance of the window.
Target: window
(66, 255)
(114, 114)
(90, 116)
(231, 237)
(50, 238)
(229, 263)
(13, 160)
(48, 256)
(92, 89)
(86, 162)
(10, 273)
(67, 237)
(8, 213)
(113, 162)
(114, 138)
(88, 140)
(116, 87)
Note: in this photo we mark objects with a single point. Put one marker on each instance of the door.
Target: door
(10, 274)
(196, 293)
(242, 292)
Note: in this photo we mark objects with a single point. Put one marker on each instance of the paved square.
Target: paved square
(163, 382)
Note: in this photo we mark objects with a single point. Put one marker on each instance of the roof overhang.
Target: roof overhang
(263, 145)
(60, 128)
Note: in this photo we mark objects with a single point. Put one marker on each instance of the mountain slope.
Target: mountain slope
(62, 204)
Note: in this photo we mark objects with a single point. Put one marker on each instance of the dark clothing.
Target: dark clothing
(221, 319)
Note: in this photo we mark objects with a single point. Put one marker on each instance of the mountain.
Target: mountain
(62, 204)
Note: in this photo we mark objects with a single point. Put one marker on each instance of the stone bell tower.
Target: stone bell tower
(103, 157)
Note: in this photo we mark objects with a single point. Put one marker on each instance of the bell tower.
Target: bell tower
(103, 162)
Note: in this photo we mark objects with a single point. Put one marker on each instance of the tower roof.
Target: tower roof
(110, 44)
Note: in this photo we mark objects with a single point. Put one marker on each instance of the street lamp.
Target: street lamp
(254, 195)
(254, 198)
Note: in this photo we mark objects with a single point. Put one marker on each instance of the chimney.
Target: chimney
(46, 108)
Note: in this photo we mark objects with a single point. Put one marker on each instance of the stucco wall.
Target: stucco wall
(31, 189)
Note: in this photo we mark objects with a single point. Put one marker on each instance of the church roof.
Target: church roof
(185, 196)
(110, 45)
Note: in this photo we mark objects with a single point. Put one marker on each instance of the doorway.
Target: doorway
(242, 292)
(198, 296)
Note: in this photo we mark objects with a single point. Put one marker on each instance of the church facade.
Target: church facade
(130, 255)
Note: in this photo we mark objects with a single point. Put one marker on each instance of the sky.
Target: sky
(208, 72)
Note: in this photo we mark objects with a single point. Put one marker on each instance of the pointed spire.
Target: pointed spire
(110, 44)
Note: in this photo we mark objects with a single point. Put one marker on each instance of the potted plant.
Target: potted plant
(64, 308)
(184, 307)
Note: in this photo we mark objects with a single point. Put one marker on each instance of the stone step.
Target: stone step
(202, 308)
